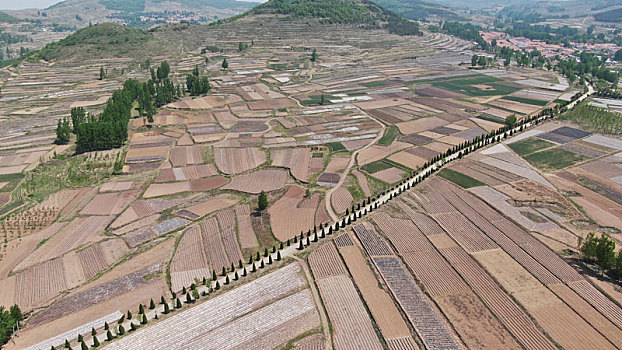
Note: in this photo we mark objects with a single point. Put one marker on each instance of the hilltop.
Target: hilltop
(108, 40)
(363, 13)
(98, 41)
(417, 9)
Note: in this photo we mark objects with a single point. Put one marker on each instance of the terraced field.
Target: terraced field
(245, 301)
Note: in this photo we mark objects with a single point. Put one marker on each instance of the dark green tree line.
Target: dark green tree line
(9, 320)
(196, 84)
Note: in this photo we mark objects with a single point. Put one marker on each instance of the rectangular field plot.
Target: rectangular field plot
(378, 301)
(352, 327)
(265, 328)
(460, 179)
(497, 300)
(468, 315)
(193, 327)
(530, 145)
(553, 315)
(422, 316)
(554, 159)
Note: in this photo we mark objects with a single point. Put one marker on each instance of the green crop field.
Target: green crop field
(376, 166)
(336, 146)
(465, 85)
(530, 145)
(390, 134)
(554, 159)
(528, 101)
(460, 179)
(372, 84)
(490, 118)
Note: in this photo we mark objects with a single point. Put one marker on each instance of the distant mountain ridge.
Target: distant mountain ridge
(106, 40)
(140, 5)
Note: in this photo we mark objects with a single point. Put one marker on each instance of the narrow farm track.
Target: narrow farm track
(346, 171)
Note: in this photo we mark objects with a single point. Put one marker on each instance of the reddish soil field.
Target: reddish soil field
(390, 176)
(210, 183)
(362, 181)
(380, 304)
(186, 155)
(341, 200)
(295, 159)
(77, 233)
(262, 180)
(352, 327)
(245, 228)
(351, 324)
(321, 215)
(287, 219)
(156, 190)
(116, 186)
(376, 152)
(40, 283)
(325, 261)
(272, 104)
(189, 261)
(110, 203)
(211, 205)
(476, 325)
(238, 160)
(216, 255)
(509, 313)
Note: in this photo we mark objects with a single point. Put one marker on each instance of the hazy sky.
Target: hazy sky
(24, 4)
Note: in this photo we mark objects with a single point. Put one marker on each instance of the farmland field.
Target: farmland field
(529, 146)
(554, 159)
(323, 115)
(459, 179)
(352, 326)
(240, 301)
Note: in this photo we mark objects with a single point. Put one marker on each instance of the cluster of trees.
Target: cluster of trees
(9, 321)
(601, 252)
(262, 201)
(522, 22)
(196, 84)
(109, 129)
(481, 61)
(588, 64)
(595, 118)
(400, 26)
(466, 31)
(341, 12)
(561, 35)
(614, 16)
(63, 132)
(158, 91)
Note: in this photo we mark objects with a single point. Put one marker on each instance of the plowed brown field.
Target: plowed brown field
(286, 218)
(238, 160)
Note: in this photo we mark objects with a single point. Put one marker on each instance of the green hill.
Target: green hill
(612, 16)
(363, 13)
(417, 9)
(6, 18)
(97, 41)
